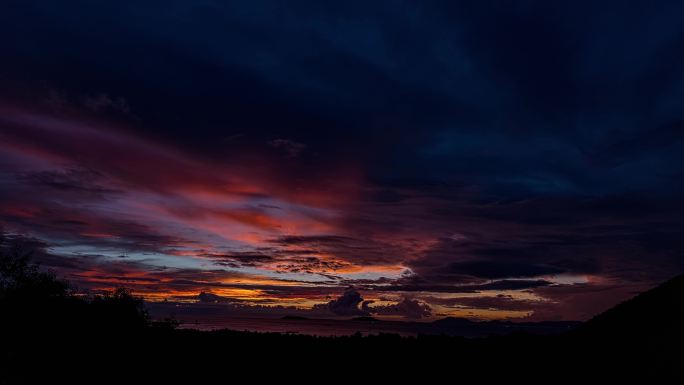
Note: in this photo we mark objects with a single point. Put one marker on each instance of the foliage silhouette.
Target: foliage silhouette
(19, 278)
(30, 297)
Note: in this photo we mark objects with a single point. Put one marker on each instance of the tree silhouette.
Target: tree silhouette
(31, 297)
(22, 279)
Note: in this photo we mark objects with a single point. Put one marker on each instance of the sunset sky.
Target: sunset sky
(405, 160)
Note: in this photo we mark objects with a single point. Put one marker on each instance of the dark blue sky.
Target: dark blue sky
(412, 150)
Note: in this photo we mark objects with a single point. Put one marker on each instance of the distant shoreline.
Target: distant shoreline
(370, 326)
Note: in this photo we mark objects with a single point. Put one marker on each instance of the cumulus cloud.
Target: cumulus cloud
(407, 308)
(347, 304)
(351, 303)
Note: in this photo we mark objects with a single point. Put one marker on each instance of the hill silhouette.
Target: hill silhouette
(453, 321)
(109, 337)
(658, 312)
(643, 335)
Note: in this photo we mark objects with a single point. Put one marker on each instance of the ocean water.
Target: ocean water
(216, 316)
(317, 327)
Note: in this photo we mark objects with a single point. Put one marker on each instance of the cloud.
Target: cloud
(205, 297)
(351, 303)
(498, 302)
(89, 228)
(289, 147)
(419, 285)
(348, 304)
(240, 259)
(500, 269)
(357, 249)
(407, 308)
(83, 183)
(107, 150)
(103, 102)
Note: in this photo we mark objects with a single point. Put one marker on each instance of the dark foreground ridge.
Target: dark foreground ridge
(51, 335)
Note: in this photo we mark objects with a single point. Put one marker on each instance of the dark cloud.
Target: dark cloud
(289, 147)
(73, 181)
(348, 304)
(407, 308)
(240, 259)
(351, 303)
(73, 226)
(498, 302)
(500, 269)
(360, 249)
(103, 102)
(204, 297)
(417, 285)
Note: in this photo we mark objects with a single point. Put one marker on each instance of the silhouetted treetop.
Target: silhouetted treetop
(19, 277)
(31, 297)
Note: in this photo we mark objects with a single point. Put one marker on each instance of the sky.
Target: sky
(518, 160)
